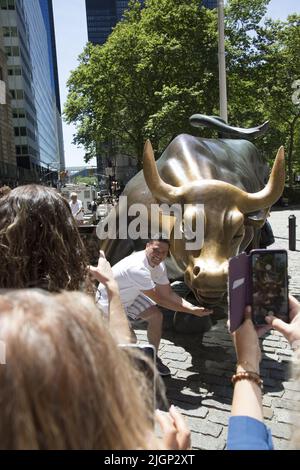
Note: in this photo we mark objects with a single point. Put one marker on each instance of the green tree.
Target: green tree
(263, 62)
(157, 68)
(90, 180)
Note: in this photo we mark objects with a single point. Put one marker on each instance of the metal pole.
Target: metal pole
(292, 232)
(222, 64)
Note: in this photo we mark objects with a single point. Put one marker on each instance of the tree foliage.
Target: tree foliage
(159, 66)
(263, 62)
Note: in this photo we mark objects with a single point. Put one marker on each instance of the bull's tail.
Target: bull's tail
(215, 122)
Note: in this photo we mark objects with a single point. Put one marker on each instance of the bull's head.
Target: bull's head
(228, 225)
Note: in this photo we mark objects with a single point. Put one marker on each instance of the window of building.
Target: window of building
(19, 113)
(15, 70)
(7, 4)
(10, 31)
(12, 51)
(20, 131)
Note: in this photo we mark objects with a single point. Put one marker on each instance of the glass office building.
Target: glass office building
(103, 15)
(32, 86)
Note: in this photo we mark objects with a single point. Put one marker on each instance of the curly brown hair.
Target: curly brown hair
(40, 245)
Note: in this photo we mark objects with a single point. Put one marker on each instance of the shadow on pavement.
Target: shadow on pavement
(207, 372)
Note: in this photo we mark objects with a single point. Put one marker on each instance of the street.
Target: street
(202, 367)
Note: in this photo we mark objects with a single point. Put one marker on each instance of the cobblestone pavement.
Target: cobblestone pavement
(203, 365)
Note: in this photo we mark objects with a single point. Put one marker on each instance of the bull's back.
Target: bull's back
(188, 158)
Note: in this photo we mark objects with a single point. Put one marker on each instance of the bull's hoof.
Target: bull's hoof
(186, 323)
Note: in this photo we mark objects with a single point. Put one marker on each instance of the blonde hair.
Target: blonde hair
(66, 384)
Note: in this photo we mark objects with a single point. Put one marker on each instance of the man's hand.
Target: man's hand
(201, 311)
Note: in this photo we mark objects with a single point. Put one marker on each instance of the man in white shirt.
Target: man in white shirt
(76, 208)
(143, 283)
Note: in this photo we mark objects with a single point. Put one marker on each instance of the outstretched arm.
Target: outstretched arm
(163, 295)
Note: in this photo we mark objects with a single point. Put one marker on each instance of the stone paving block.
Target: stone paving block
(280, 430)
(178, 365)
(176, 396)
(202, 442)
(184, 374)
(204, 427)
(272, 393)
(268, 412)
(291, 395)
(280, 444)
(200, 412)
(286, 404)
(292, 385)
(267, 401)
(219, 417)
(216, 404)
(174, 356)
(284, 416)
(172, 348)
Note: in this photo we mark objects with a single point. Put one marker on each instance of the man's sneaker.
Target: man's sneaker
(163, 370)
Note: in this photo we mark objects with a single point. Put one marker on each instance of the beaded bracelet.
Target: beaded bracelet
(247, 375)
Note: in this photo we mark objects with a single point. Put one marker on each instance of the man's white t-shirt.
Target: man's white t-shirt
(75, 208)
(133, 275)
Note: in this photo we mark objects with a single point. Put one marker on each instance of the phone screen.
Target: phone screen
(269, 285)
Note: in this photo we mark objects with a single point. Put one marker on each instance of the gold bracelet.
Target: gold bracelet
(247, 375)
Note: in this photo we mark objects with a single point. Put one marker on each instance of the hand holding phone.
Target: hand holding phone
(269, 285)
(260, 280)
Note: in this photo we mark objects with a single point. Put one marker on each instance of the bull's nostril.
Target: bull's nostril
(196, 270)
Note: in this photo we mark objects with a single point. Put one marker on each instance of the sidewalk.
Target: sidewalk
(202, 367)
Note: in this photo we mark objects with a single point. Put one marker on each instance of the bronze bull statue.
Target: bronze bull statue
(227, 176)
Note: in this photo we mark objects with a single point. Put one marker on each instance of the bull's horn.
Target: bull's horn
(250, 202)
(162, 191)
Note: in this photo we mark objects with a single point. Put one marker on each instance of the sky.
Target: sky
(71, 37)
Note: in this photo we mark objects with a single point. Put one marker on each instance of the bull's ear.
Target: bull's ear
(256, 219)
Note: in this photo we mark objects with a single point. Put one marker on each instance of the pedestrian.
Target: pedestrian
(143, 283)
(76, 208)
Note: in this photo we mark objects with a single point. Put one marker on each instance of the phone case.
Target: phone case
(238, 289)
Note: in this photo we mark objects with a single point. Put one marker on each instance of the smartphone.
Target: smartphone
(145, 361)
(269, 285)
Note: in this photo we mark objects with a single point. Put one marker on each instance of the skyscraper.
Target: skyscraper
(47, 12)
(103, 15)
(7, 147)
(29, 44)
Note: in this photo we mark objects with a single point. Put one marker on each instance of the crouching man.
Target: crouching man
(143, 283)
